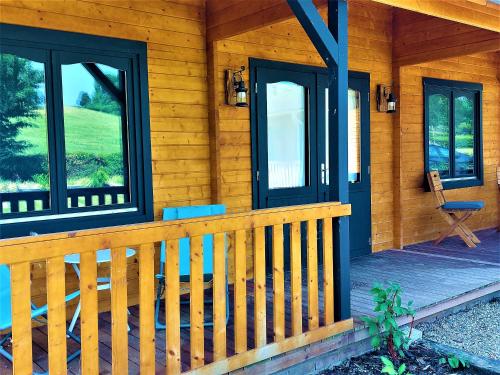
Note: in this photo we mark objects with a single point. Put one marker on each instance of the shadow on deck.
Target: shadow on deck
(429, 275)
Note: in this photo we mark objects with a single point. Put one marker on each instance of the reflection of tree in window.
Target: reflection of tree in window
(94, 119)
(439, 133)
(23, 125)
(464, 135)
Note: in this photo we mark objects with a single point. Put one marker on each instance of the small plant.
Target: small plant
(99, 178)
(383, 327)
(42, 180)
(454, 362)
(390, 369)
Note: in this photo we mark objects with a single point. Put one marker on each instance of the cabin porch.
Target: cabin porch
(434, 277)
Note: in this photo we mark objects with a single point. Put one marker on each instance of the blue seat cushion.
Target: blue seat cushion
(463, 205)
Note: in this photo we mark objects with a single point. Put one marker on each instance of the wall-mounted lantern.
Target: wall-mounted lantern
(236, 92)
(386, 101)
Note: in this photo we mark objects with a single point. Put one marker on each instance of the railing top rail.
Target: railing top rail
(52, 245)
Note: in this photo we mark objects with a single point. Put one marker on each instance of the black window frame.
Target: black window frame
(450, 89)
(53, 47)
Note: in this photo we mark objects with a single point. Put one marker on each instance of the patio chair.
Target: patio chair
(455, 213)
(37, 313)
(188, 212)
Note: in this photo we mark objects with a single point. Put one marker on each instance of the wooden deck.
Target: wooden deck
(429, 275)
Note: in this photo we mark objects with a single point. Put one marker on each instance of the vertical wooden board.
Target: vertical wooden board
(21, 318)
(296, 276)
(278, 284)
(197, 303)
(219, 296)
(88, 314)
(172, 306)
(312, 274)
(328, 270)
(146, 306)
(56, 292)
(240, 292)
(119, 327)
(259, 264)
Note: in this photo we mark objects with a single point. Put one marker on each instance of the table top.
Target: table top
(102, 256)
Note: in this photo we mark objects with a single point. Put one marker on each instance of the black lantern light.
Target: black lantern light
(236, 91)
(391, 103)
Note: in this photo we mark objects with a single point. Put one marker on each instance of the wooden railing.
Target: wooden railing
(21, 252)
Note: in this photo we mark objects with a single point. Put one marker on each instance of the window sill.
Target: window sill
(460, 183)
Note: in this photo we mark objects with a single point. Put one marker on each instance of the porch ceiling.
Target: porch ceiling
(232, 17)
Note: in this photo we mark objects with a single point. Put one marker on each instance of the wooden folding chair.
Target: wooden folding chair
(455, 213)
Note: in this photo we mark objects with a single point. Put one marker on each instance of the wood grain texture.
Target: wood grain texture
(296, 276)
(278, 284)
(119, 328)
(312, 275)
(88, 314)
(219, 296)
(21, 318)
(56, 327)
(259, 287)
(196, 301)
(172, 309)
(146, 304)
(240, 292)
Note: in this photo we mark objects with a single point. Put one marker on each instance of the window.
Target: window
(453, 131)
(74, 132)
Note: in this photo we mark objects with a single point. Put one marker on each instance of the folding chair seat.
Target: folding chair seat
(188, 212)
(455, 212)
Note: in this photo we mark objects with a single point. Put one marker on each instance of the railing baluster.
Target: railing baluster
(146, 306)
(259, 266)
(278, 284)
(240, 292)
(56, 292)
(21, 318)
(296, 276)
(197, 303)
(328, 270)
(172, 305)
(219, 296)
(119, 333)
(312, 274)
(88, 314)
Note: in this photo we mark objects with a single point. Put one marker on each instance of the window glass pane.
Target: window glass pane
(24, 160)
(325, 177)
(354, 135)
(94, 132)
(464, 135)
(439, 134)
(286, 135)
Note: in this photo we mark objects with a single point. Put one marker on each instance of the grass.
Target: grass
(85, 130)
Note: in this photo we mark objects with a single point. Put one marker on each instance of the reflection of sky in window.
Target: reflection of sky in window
(77, 79)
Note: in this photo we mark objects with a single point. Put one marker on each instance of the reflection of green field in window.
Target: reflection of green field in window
(82, 134)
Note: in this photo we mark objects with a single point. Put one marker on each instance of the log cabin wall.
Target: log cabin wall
(420, 221)
(369, 51)
(175, 35)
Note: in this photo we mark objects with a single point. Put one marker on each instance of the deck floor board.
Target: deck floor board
(428, 275)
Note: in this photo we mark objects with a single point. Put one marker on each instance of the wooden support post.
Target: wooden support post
(339, 185)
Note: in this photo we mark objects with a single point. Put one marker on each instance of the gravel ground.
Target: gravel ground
(476, 330)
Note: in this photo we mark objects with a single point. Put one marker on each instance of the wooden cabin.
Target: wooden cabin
(137, 106)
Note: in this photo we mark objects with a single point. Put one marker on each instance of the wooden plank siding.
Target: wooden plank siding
(420, 221)
(185, 170)
(369, 51)
(175, 35)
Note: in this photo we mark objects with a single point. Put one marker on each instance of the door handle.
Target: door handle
(323, 173)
